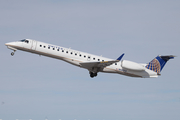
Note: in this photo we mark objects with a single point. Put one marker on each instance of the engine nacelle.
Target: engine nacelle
(132, 66)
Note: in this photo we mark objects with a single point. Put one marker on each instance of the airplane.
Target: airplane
(92, 63)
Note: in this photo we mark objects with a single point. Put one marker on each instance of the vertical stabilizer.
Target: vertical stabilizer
(158, 63)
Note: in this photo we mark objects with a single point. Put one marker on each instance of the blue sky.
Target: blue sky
(40, 87)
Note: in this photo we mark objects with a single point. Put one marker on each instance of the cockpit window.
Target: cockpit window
(23, 40)
(26, 41)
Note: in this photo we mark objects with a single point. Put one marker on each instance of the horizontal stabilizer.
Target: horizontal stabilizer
(166, 58)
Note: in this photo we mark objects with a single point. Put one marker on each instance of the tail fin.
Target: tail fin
(158, 63)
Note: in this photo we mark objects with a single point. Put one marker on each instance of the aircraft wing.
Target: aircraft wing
(101, 64)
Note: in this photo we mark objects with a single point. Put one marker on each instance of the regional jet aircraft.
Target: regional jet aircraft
(92, 63)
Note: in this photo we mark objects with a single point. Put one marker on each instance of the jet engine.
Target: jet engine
(129, 65)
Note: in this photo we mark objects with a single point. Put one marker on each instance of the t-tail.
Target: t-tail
(158, 63)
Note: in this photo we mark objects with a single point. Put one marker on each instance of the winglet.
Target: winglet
(120, 57)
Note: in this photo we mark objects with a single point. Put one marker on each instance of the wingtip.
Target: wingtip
(121, 57)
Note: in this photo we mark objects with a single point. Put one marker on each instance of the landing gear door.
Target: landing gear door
(34, 43)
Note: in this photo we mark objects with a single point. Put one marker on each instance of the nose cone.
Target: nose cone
(10, 44)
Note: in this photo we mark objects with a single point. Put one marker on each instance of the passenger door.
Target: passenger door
(34, 43)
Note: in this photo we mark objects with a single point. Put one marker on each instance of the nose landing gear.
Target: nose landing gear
(13, 52)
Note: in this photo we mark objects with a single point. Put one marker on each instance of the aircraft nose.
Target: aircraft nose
(10, 43)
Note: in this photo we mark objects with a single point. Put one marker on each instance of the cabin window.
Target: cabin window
(66, 51)
(93, 58)
(98, 59)
(40, 45)
(53, 48)
(80, 55)
(62, 50)
(44, 46)
(71, 53)
(84, 56)
(48, 47)
(115, 63)
(75, 53)
(102, 60)
(57, 49)
(89, 57)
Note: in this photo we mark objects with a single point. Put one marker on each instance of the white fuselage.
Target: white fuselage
(76, 57)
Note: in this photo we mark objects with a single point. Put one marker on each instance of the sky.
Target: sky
(38, 88)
